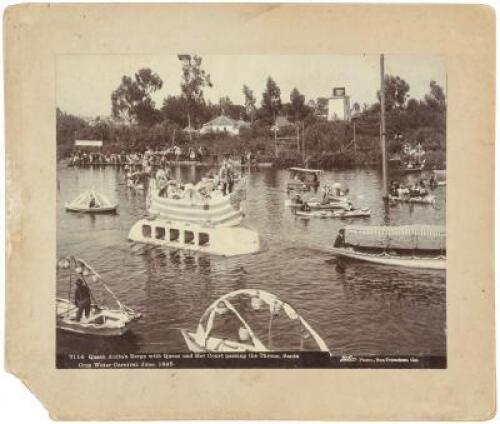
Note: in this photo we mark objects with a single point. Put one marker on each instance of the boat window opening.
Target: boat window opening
(146, 231)
(174, 234)
(203, 239)
(160, 233)
(188, 237)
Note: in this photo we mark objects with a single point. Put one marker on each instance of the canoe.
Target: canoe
(101, 322)
(82, 202)
(355, 213)
(81, 209)
(420, 262)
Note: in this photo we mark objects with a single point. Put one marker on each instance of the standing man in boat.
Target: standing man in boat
(82, 299)
(226, 177)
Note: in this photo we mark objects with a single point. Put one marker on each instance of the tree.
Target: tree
(436, 98)
(225, 104)
(396, 92)
(174, 108)
(321, 106)
(271, 99)
(67, 128)
(132, 100)
(297, 103)
(249, 102)
(194, 79)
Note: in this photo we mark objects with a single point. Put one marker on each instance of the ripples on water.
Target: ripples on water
(367, 309)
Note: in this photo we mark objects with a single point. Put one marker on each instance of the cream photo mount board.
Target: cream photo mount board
(37, 36)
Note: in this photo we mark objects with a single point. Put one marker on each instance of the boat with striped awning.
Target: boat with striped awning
(195, 205)
(409, 246)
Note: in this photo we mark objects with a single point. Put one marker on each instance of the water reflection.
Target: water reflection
(361, 308)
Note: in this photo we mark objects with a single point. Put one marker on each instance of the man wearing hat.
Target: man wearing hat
(82, 299)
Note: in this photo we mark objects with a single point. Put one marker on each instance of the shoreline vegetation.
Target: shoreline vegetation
(136, 123)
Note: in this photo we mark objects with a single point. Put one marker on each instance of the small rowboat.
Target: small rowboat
(83, 203)
(102, 320)
(342, 204)
(413, 169)
(424, 200)
(421, 262)
(355, 213)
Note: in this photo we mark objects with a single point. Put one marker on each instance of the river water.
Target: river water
(368, 309)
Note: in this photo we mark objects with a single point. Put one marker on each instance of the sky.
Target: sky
(85, 82)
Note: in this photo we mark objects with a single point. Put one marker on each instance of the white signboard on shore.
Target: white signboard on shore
(88, 143)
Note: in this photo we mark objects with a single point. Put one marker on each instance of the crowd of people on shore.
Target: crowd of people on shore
(158, 157)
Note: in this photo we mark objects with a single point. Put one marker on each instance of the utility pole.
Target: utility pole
(354, 141)
(382, 127)
(303, 144)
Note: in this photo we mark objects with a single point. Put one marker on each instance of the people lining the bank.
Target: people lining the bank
(157, 157)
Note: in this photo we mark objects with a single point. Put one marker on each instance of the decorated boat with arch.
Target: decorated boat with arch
(231, 324)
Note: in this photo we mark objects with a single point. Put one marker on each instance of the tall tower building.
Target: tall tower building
(339, 106)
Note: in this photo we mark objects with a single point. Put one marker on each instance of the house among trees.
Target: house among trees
(280, 123)
(224, 124)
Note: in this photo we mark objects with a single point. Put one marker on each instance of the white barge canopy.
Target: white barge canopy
(424, 237)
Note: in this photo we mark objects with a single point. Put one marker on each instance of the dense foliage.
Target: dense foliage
(138, 123)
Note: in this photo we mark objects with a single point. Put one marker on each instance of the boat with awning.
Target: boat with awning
(196, 206)
(414, 246)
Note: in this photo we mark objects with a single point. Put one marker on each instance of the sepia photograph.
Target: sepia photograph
(251, 211)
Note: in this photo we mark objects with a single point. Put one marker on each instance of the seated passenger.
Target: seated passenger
(93, 203)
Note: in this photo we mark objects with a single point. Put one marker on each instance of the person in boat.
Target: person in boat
(340, 240)
(327, 191)
(163, 176)
(298, 199)
(394, 188)
(304, 207)
(93, 202)
(402, 192)
(226, 177)
(205, 188)
(82, 299)
(315, 182)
